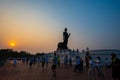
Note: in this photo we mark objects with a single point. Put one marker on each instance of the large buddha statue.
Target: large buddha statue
(63, 45)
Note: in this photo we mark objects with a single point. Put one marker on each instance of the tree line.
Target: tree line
(10, 53)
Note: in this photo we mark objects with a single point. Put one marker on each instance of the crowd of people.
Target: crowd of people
(91, 65)
(113, 66)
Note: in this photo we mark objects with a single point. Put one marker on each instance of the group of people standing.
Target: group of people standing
(44, 59)
(97, 64)
(92, 65)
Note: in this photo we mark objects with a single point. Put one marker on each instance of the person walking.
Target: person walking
(77, 65)
(54, 64)
(43, 62)
(70, 62)
(99, 65)
(15, 62)
(46, 61)
(91, 70)
(58, 61)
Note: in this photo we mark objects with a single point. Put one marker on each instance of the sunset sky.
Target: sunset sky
(37, 25)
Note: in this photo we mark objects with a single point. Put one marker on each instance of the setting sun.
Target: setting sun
(12, 44)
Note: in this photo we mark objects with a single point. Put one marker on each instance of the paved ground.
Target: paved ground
(23, 72)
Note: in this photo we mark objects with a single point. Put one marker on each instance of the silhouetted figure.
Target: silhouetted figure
(66, 61)
(115, 67)
(107, 64)
(98, 62)
(87, 60)
(31, 62)
(77, 65)
(54, 64)
(70, 61)
(63, 45)
(23, 59)
(27, 60)
(34, 60)
(15, 62)
(81, 64)
(43, 62)
(58, 61)
(91, 70)
(46, 61)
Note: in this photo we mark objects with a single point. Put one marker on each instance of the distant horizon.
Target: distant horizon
(71, 49)
(38, 25)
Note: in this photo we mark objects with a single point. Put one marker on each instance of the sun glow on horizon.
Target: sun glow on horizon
(12, 44)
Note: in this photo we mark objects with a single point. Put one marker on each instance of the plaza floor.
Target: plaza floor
(23, 72)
